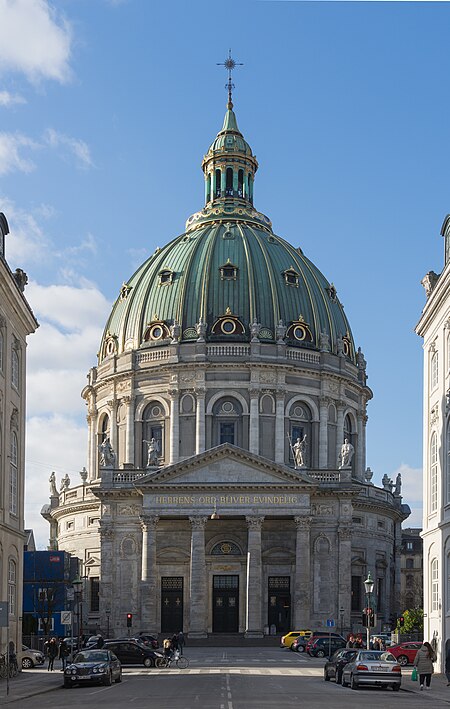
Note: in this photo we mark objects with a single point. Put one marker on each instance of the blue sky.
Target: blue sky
(106, 110)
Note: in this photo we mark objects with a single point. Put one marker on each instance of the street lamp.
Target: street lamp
(368, 585)
(78, 589)
(108, 613)
(341, 617)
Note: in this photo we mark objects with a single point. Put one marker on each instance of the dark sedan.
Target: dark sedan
(90, 666)
(131, 652)
(333, 668)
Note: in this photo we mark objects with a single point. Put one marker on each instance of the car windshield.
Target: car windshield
(91, 656)
(377, 655)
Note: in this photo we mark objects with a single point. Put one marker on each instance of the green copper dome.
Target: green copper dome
(228, 278)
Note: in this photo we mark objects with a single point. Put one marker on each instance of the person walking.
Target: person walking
(52, 653)
(424, 664)
(181, 641)
(63, 653)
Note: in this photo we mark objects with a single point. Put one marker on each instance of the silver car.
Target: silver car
(373, 667)
(30, 657)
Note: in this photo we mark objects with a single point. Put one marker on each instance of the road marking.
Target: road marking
(230, 702)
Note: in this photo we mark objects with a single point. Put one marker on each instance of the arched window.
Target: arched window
(208, 188)
(13, 476)
(447, 462)
(434, 370)
(2, 344)
(300, 426)
(433, 473)
(434, 576)
(228, 421)
(241, 183)
(12, 586)
(218, 174)
(153, 428)
(15, 368)
(229, 183)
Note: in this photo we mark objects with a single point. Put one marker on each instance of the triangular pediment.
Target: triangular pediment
(226, 465)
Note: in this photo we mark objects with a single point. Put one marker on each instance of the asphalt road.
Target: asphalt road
(231, 678)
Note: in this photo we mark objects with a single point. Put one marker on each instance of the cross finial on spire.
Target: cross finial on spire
(229, 64)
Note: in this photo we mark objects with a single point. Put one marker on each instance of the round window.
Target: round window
(227, 407)
(156, 411)
(228, 326)
(299, 332)
(156, 332)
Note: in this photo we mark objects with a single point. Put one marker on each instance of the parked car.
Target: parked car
(90, 666)
(335, 665)
(405, 652)
(385, 637)
(92, 642)
(300, 643)
(289, 638)
(131, 652)
(323, 634)
(321, 647)
(373, 667)
(31, 658)
(150, 640)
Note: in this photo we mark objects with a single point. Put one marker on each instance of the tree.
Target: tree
(413, 621)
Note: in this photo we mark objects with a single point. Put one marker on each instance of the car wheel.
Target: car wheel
(402, 660)
(353, 684)
(326, 676)
(396, 687)
(344, 682)
(320, 653)
(300, 648)
(148, 662)
(119, 678)
(108, 680)
(27, 662)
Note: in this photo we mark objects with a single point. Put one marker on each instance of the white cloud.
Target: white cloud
(73, 309)
(35, 40)
(27, 243)
(7, 99)
(75, 146)
(11, 145)
(58, 443)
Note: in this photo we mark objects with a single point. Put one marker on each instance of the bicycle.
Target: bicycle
(3, 666)
(13, 666)
(180, 661)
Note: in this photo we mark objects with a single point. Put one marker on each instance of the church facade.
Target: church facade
(226, 489)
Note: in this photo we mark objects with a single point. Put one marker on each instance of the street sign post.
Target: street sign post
(66, 617)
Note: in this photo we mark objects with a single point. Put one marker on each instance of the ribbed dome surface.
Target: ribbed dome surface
(239, 268)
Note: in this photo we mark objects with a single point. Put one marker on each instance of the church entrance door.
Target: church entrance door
(279, 603)
(171, 604)
(225, 604)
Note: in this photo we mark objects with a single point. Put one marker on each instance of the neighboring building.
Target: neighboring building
(29, 544)
(226, 354)
(434, 328)
(16, 322)
(411, 590)
(47, 576)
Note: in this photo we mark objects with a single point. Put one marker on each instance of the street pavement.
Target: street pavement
(221, 678)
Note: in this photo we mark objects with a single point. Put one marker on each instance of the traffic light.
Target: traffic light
(401, 621)
(393, 621)
(129, 620)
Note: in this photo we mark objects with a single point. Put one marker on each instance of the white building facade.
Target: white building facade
(434, 328)
(16, 323)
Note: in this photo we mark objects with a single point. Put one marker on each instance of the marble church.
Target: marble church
(226, 487)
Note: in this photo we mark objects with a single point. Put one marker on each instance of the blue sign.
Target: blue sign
(330, 623)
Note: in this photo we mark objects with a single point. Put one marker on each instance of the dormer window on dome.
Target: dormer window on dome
(299, 330)
(110, 345)
(228, 272)
(291, 277)
(228, 324)
(166, 277)
(156, 331)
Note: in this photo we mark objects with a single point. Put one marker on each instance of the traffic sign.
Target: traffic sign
(330, 623)
(66, 617)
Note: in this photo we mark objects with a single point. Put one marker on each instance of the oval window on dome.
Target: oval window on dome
(156, 332)
(228, 327)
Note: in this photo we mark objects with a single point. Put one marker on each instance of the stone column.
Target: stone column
(323, 432)
(149, 525)
(198, 591)
(108, 599)
(302, 579)
(174, 449)
(345, 570)
(339, 430)
(279, 428)
(112, 404)
(253, 615)
(359, 471)
(200, 422)
(93, 470)
(223, 179)
(129, 437)
(254, 422)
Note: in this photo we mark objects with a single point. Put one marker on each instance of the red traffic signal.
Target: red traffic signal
(129, 620)
(401, 621)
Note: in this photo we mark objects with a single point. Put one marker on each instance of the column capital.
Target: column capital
(198, 523)
(148, 522)
(128, 399)
(173, 393)
(345, 532)
(254, 393)
(200, 392)
(106, 531)
(254, 523)
(324, 401)
(280, 395)
(303, 523)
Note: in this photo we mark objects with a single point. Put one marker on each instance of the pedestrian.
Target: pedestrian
(100, 642)
(181, 641)
(447, 663)
(350, 641)
(52, 653)
(174, 642)
(424, 664)
(63, 653)
(167, 648)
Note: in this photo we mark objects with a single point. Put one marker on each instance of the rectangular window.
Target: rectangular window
(95, 593)
(296, 432)
(226, 434)
(356, 593)
(13, 489)
(434, 586)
